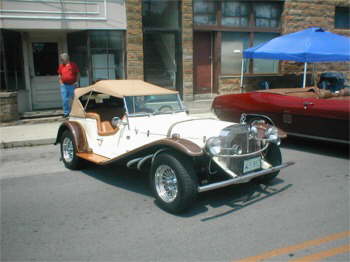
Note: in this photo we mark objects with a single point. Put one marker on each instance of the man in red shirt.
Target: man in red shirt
(68, 77)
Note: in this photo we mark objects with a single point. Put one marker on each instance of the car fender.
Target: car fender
(182, 146)
(78, 134)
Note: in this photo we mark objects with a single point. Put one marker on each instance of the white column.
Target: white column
(304, 80)
(242, 69)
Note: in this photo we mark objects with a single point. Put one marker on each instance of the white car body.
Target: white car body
(142, 125)
(142, 130)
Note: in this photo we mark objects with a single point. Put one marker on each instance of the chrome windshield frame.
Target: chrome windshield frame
(181, 105)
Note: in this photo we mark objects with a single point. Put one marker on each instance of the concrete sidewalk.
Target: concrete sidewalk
(38, 134)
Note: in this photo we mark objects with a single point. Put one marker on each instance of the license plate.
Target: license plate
(251, 164)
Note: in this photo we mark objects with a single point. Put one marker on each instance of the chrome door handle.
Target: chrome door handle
(100, 140)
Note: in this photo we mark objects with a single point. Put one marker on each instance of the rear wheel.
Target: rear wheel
(68, 151)
(173, 182)
(273, 157)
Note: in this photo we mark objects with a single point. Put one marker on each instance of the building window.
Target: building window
(263, 66)
(107, 56)
(160, 14)
(45, 59)
(232, 46)
(342, 17)
(99, 54)
(235, 14)
(251, 14)
(267, 14)
(11, 61)
(204, 12)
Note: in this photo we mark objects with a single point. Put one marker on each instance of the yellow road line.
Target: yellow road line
(289, 249)
(323, 254)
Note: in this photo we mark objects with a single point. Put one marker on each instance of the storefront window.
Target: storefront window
(107, 55)
(232, 47)
(261, 66)
(161, 42)
(204, 12)
(98, 54)
(11, 63)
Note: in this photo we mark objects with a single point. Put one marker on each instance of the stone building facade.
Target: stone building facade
(196, 81)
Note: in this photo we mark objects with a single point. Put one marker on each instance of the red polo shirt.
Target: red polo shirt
(68, 73)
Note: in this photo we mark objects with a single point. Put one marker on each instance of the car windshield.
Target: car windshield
(153, 104)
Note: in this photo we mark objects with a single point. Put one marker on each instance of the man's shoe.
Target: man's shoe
(65, 115)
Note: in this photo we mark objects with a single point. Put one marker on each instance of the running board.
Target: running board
(244, 178)
(94, 158)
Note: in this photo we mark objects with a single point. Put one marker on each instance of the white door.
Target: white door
(44, 61)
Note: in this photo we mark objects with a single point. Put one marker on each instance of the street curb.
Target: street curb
(27, 143)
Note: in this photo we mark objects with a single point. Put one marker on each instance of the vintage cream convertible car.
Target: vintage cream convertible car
(146, 127)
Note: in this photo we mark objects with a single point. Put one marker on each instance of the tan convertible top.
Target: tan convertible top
(117, 88)
(122, 88)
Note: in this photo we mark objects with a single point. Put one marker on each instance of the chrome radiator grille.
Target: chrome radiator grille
(237, 135)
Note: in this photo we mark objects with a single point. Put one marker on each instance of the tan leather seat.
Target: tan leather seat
(104, 117)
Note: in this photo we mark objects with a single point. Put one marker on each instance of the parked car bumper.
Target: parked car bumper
(244, 178)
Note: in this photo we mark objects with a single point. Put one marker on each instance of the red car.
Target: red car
(306, 112)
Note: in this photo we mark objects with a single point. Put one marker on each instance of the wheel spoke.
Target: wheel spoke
(68, 149)
(166, 183)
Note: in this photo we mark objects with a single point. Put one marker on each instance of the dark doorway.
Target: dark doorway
(160, 58)
(202, 62)
(162, 43)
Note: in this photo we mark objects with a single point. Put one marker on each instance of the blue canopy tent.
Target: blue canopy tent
(306, 46)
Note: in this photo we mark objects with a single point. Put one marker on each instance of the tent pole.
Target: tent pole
(242, 69)
(304, 79)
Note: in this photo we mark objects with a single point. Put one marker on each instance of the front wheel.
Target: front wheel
(68, 151)
(173, 182)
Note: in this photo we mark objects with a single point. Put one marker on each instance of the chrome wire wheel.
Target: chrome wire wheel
(166, 183)
(68, 149)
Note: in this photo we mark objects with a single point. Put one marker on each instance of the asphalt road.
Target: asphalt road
(49, 213)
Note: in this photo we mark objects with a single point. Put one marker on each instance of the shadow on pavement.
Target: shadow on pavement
(120, 176)
(236, 197)
(317, 147)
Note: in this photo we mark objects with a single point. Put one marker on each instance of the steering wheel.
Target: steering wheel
(165, 109)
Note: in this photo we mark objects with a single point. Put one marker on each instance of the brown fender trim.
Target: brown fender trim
(183, 145)
(78, 134)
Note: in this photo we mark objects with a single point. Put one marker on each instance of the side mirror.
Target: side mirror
(116, 121)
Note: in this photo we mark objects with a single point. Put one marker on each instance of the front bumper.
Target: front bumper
(243, 179)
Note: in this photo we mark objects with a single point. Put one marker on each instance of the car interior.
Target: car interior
(311, 92)
(103, 108)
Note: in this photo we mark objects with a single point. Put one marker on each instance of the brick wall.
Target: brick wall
(134, 39)
(187, 48)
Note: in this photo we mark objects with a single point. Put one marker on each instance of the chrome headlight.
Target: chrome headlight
(237, 150)
(213, 145)
(271, 135)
